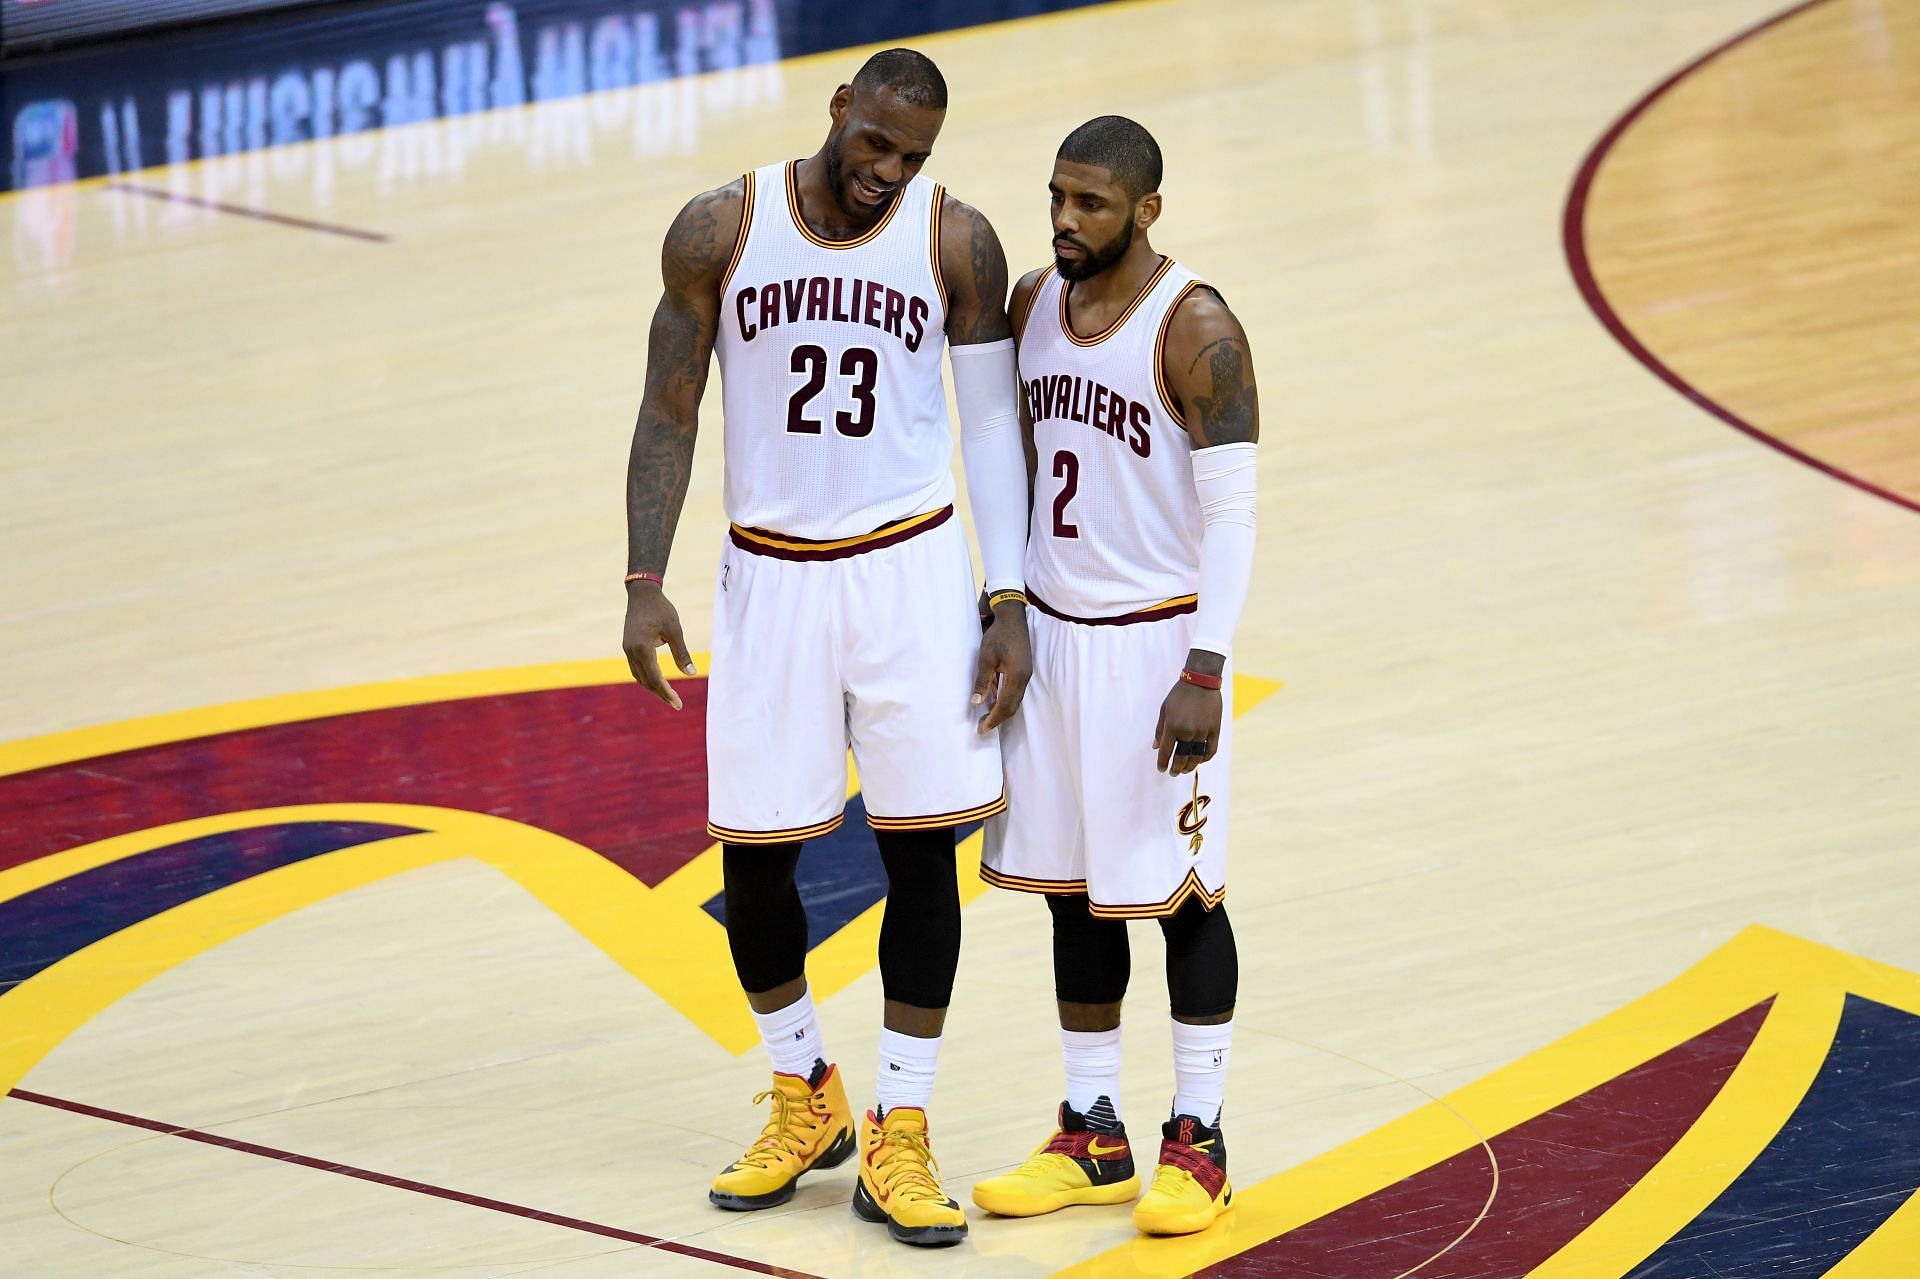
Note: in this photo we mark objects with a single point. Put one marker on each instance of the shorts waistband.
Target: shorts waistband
(786, 547)
(1166, 608)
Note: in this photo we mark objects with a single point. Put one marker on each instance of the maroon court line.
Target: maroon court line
(417, 1187)
(260, 215)
(1573, 234)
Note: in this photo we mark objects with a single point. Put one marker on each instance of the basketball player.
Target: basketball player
(1140, 401)
(844, 611)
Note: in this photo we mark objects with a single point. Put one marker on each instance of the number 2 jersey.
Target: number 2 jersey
(1116, 518)
(835, 414)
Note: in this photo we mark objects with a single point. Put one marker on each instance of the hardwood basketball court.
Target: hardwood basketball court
(355, 911)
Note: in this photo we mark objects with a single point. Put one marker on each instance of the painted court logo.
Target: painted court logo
(567, 779)
(1756, 1116)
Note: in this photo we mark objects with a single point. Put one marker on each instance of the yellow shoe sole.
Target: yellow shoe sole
(1184, 1223)
(1018, 1205)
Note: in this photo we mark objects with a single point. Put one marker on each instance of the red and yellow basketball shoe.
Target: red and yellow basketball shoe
(1190, 1188)
(811, 1127)
(1079, 1164)
(900, 1182)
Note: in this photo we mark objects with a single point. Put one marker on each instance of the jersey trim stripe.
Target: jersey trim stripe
(727, 835)
(939, 280)
(1160, 356)
(979, 812)
(1190, 887)
(1066, 318)
(779, 545)
(1175, 607)
(800, 223)
(740, 240)
(1026, 309)
(1021, 884)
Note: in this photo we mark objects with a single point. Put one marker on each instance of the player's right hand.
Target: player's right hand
(652, 622)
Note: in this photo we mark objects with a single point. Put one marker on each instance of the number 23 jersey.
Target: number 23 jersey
(1116, 518)
(835, 417)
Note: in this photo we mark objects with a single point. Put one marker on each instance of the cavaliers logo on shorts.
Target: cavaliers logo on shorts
(1193, 818)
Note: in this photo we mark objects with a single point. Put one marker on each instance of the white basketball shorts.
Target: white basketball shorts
(869, 642)
(1087, 811)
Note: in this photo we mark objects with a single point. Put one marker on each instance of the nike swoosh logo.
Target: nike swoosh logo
(1098, 1151)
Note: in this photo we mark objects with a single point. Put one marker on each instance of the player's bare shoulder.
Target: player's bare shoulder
(973, 267)
(1021, 303)
(701, 242)
(1208, 364)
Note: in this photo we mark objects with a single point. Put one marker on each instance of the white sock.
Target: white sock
(1200, 1055)
(1092, 1059)
(905, 1077)
(792, 1036)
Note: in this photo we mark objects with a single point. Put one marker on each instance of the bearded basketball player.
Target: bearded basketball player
(844, 612)
(1140, 402)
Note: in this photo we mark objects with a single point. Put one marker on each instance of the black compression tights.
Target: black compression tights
(1092, 961)
(919, 933)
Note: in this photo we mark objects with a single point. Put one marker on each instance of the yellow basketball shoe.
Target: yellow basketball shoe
(900, 1182)
(811, 1127)
(1079, 1164)
(1190, 1188)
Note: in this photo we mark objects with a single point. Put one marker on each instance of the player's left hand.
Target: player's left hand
(1190, 714)
(1006, 664)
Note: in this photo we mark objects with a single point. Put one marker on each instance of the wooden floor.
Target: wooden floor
(1578, 684)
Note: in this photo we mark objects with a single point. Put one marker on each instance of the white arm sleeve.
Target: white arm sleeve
(985, 384)
(1224, 476)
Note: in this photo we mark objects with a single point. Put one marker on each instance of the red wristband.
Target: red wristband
(655, 578)
(1199, 680)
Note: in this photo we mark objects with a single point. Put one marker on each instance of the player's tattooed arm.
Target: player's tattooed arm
(695, 255)
(974, 268)
(1208, 367)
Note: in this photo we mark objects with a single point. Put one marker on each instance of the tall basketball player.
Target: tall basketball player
(844, 610)
(1140, 400)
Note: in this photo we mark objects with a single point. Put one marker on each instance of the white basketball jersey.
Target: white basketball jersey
(835, 415)
(1116, 517)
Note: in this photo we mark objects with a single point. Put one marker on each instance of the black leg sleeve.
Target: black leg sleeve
(1091, 959)
(1203, 966)
(766, 924)
(920, 931)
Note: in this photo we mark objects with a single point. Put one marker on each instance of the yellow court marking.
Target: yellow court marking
(660, 935)
(1762, 1093)
(260, 712)
(1889, 1252)
(679, 959)
(1808, 982)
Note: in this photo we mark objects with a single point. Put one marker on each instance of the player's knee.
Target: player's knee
(766, 922)
(1203, 963)
(1091, 958)
(920, 875)
(920, 932)
(759, 885)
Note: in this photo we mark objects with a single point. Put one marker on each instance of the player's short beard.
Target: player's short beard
(1097, 260)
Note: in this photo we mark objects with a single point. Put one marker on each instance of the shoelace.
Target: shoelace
(907, 1165)
(1178, 1159)
(1170, 1180)
(777, 1139)
(1043, 1156)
